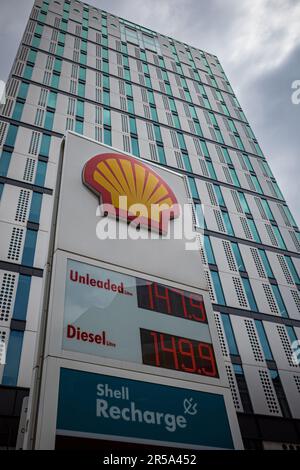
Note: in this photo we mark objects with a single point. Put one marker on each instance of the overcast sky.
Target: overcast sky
(256, 41)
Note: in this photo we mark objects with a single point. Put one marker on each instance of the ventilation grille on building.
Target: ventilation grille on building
(29, 170)
(258, 264)
(14, 250)
(6, 296)
(246, 229)
(296, 297)
(233, 388)
(285, 270)
(3, 132)
(254, 342)
(240, 292)
(210, 286)
(211, 194)
(286, 345)
(270, 298)
(269, 392)
(223, 344)
(219, 221)
(22, 206)
(229, 256)
(3, 341)
(34, 143)
(272, 237)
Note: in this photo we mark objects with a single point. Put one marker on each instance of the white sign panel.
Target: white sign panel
(117, 316)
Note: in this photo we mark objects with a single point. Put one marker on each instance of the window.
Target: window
(292, 269)
(291, 332)
(218, 288)
(135, 147)
(55, 80)
(228, 224)
(29, 248)
(247, 162)
(45, 145)
(36, 40)
(5, 162)
(264, 340)
(176, 121)
(106, 98)
(107, 136)
(219, 195)
(238, 257)
(226, 155)
(80, 109)
(279, 300)
(81, 90)
(279, 237)
(28, 72)
(106, 117)
(193, 188)
(18, 111)
(57, 65)
(200, 216)
(35, 209)
(181, 141)
(219, 136)
(11, 136)
(249, 294)
(79, 126)
(233, 350)
(22, 297)
(23, 90)
(157, 133)
(256, 184)
(128, 89)
(132, 125)
(41, 173)
(13, 356)
(267, 209)
(266, 263)
(186, 162)
(244, 203)
(31, 56)
(239, 142)
(49, 120)
(254, 230)
(234, 177)
(204, 148)
(52, 99)
(208, 250)
(130, 106)
(211, 170)
(161, 154)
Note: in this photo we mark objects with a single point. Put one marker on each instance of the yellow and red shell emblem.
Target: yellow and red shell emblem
(113, 176)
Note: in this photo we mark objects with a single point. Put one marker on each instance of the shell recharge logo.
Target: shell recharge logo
(132, 191)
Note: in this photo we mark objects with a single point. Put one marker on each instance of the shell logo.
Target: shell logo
(117, 178)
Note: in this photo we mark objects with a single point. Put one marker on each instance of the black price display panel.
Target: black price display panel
(170, 301)
(177, 353)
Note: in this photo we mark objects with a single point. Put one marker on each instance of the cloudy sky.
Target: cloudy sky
(257, 42)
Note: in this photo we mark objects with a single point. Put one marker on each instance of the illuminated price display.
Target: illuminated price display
(177, 353)
(170, 301)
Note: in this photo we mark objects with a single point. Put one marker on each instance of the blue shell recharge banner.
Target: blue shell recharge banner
(106, 407)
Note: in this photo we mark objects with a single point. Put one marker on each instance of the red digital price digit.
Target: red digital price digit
(171, 350)
(206, 354)
(164, 297)
(200, 315)
(186, 350)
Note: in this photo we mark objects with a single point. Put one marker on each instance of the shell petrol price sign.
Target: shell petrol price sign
(126, 317)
